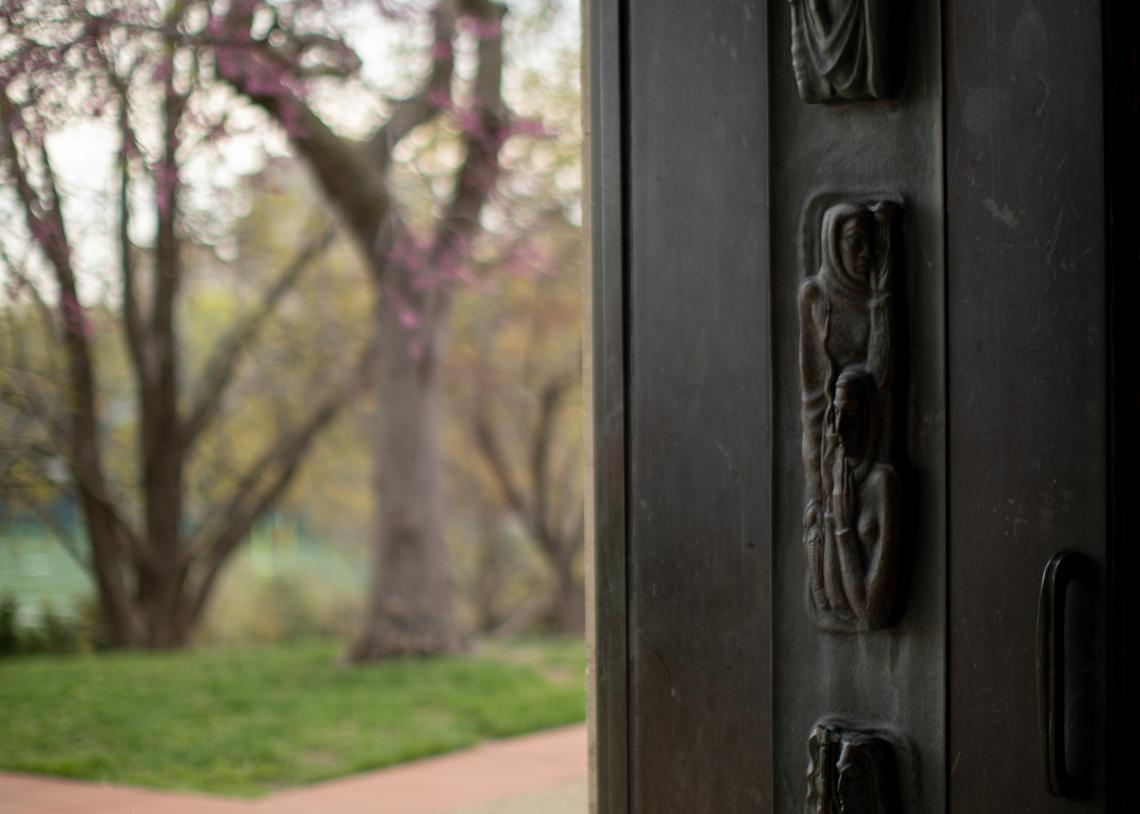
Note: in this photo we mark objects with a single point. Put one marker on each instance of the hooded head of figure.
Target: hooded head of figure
(867, 778)
(848, 245)
(856, 416)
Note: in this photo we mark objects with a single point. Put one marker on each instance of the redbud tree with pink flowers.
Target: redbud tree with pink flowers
(173, 78)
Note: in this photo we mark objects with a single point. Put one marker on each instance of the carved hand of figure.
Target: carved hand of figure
(881, 272)
(881, 279)
(842, 494)
(813, 545)
(831, 444)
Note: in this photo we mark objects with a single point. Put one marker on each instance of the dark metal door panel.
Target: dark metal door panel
(890, 679)
(714, 178)
(698, 388)
(1027, 356)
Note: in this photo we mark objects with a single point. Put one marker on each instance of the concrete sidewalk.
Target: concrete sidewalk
(544, 772)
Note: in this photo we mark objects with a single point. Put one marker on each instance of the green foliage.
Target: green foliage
(285, 588)
(54, 632)
(252, 720)
(34, 567)
(9, 632)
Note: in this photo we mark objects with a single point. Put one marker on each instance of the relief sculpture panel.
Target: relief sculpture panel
(852, 527)
(840, 50)
(850, 772)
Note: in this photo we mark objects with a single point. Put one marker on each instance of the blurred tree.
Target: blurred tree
(274, 52)
(515, 387)
(139, 70)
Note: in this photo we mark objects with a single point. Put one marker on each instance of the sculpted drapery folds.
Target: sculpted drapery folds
(851, 518)
(850, 772)
(840, 49)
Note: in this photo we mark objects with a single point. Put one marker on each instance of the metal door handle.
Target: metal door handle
(1062, 570)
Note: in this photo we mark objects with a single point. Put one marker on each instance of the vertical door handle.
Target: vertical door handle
(1063, 569)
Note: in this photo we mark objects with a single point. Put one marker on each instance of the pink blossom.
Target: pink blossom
(294, 129)
(533, 128)
(229, 63)
(165, 183)
(460, 273)
(408, 318)
(43, 230)
(425, 282)
(439, 99)
(74, 317)
(468, 121)
(408, 252)
(483, 30)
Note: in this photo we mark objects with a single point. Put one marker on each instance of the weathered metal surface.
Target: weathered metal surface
(700, 539)
(1026, 299)
(998, 406)
(609, 649)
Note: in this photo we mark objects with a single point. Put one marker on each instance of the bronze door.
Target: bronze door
(857, 380)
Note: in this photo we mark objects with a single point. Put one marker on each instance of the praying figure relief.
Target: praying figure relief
(852, 524)
(839, 49)
(850, 772)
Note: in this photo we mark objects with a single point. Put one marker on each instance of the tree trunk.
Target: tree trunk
(162, 602)
(410, 597)
(120, 620)
(155, 618)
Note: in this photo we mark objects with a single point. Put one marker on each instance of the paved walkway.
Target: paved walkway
(538, 773)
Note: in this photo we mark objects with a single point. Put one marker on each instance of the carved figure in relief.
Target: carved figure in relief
(839, 49)
(867, 779)
(850, 772)
(861, 508)
(851, 520)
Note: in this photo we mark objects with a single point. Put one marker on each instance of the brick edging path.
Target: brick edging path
(499, 770)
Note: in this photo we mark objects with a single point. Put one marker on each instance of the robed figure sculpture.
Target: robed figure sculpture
(852, 524)
(850, 772)
(840, 49)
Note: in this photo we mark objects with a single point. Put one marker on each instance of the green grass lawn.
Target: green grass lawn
(248, 721)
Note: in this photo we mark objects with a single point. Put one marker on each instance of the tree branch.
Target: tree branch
(133, 328)
(549, 403)
(431, 99)
(43, 310)
(353, 185)
(483, 135)
(30, 400)
(220, 368)
(61, 532)
(262, 486)
(491, 449)
(44, 219)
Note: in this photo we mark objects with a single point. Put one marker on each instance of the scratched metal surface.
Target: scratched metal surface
(1004, 371)
(699, 522)
(1026, 304)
